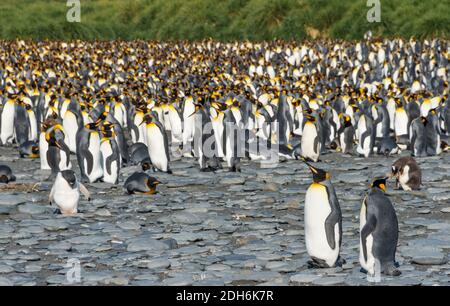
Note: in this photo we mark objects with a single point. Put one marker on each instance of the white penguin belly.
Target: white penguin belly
(43, 148)
(363, 145)
(94, 148)
(107, 151)
(189, 124)
(64, 196)
(175, 124)
(64, 162)
(71, 127)
(156, 148)
(401, 123)
(218, 134)
(342, 142)
(369, 264)
(33, 135)
(7, 127)
(317, 210)
(307, 142)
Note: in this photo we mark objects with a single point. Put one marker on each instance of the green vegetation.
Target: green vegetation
(222, 19)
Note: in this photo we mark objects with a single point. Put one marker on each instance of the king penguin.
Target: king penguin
(110, 154)
(88, 153)
(323, 221)
(311, 142)
(140, 182)
(158, 145)
(378, 232)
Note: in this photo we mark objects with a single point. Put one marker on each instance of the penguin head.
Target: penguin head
(91, 126)
(70, 178)
(319, 175)
(151, 183)
(148, 118)
(107, 129)
(379, 183)
(310, 118)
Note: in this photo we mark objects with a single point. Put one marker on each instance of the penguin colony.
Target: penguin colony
(114, 104)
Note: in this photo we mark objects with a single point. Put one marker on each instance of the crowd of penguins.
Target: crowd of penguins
(120, 103)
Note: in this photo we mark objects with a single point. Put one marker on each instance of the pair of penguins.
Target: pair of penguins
(323, 226)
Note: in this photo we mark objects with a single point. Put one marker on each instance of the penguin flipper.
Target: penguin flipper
(330, 223)
(108, 162)
(89, 159)
(366, 231)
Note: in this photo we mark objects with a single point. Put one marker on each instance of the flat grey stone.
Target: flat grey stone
(146, 244)
(5, 282)
(159, 263)
(303, 278)
(6, 269)
(186, 218)
(232, 181)
(7, 199)
(32, 209)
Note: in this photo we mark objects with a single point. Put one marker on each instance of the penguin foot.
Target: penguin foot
(362, 270)
(207, 169)
(392, 271)
(317, 263)
(169, 171)
(340, 262)
(56, 211)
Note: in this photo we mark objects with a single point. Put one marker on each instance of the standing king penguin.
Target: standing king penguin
(323, 221)
(378, 231)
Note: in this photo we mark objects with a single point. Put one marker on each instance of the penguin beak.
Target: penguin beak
(313, 170)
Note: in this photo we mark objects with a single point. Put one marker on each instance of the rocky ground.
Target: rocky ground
(215, 228)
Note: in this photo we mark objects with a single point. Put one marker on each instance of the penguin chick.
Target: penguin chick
(65, 192)
(6, 174)
(140, 182)
(407, 173)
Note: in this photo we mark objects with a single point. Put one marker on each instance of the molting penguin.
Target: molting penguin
(378, 232)
(407, 173)
(323, 221)
(140, 182)
(65, 192)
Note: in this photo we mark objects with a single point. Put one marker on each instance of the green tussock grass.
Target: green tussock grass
(222, 20)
